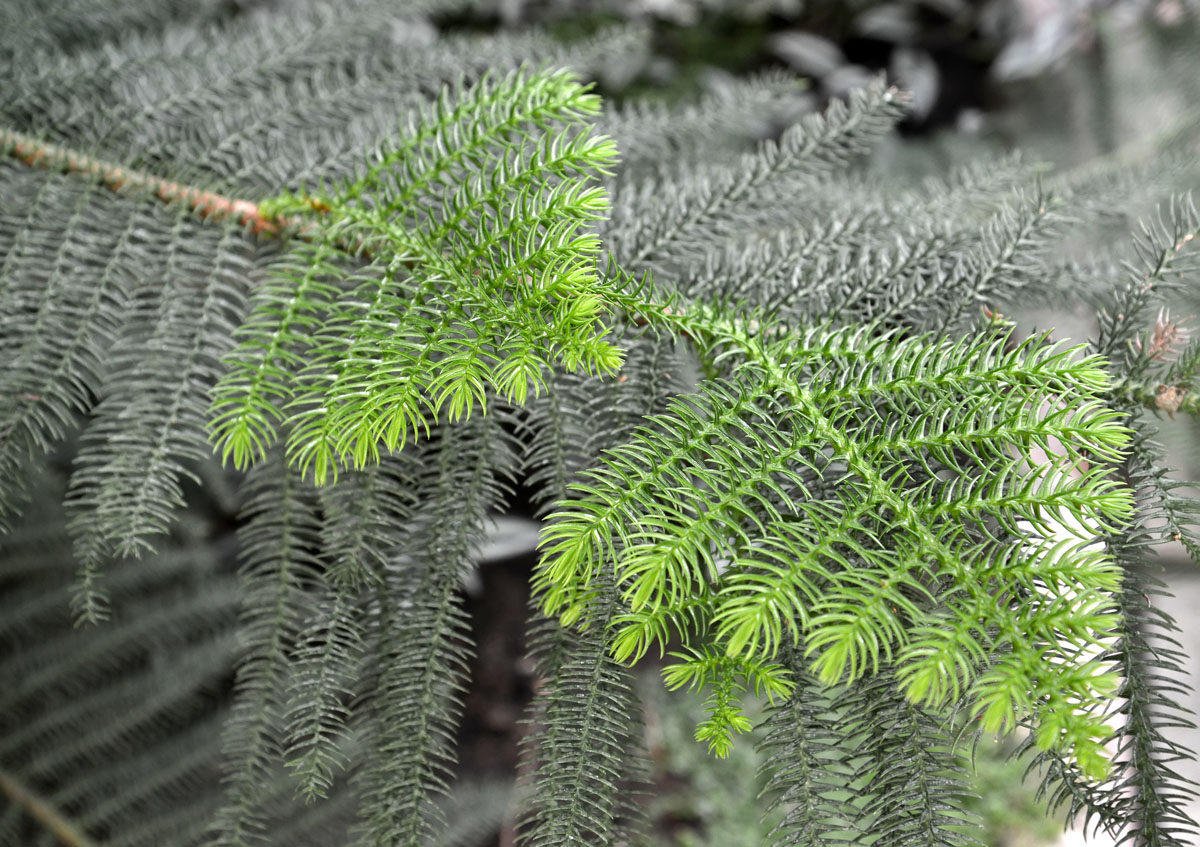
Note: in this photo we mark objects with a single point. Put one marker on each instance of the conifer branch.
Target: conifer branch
(859, 523)
(41, 810)
(209, 205)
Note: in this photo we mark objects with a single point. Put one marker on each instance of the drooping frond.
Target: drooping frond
(913, 779)
(1145, 801)
(557, 438)
(577, 418)
(325, 665)
(808, 768)
(422, 638)
(65, 277)
(488, 280)
(150, 425)
(788, 502)
(861, 764)
(581, 753)
(109, 731)
(365, 519)
(278, 569)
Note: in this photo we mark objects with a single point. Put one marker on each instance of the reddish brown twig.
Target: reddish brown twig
(206, 204)
(42, 812)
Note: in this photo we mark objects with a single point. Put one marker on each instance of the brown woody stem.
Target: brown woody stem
(206, 204)
(42, 812)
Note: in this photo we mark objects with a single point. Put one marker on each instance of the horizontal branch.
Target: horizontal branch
(209, 205)
(212, 205)
(42, 812)
(206, 204)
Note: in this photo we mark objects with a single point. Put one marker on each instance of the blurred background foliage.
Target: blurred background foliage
(700, 801)
(957, 57)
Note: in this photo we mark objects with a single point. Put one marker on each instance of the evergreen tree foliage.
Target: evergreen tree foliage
(365, 279)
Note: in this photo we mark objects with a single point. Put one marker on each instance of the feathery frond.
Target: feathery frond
(423, 642)
(279, 568)
(488, 281)
(808, 768)
(663, 219)
(712, 519)
(584, 743)
(112, 729)
(1144, 801)
(127, 483)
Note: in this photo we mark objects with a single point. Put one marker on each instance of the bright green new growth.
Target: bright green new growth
(479, 277)
(889, 500)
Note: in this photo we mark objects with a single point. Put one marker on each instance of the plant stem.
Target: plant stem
(206, 204)
(42, 812)
(211, 205)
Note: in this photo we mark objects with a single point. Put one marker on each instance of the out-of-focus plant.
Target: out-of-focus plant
(947, 53)
(1006, 802)
(698, 800)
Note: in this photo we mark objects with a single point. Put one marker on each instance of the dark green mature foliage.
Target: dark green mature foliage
(753, 391)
